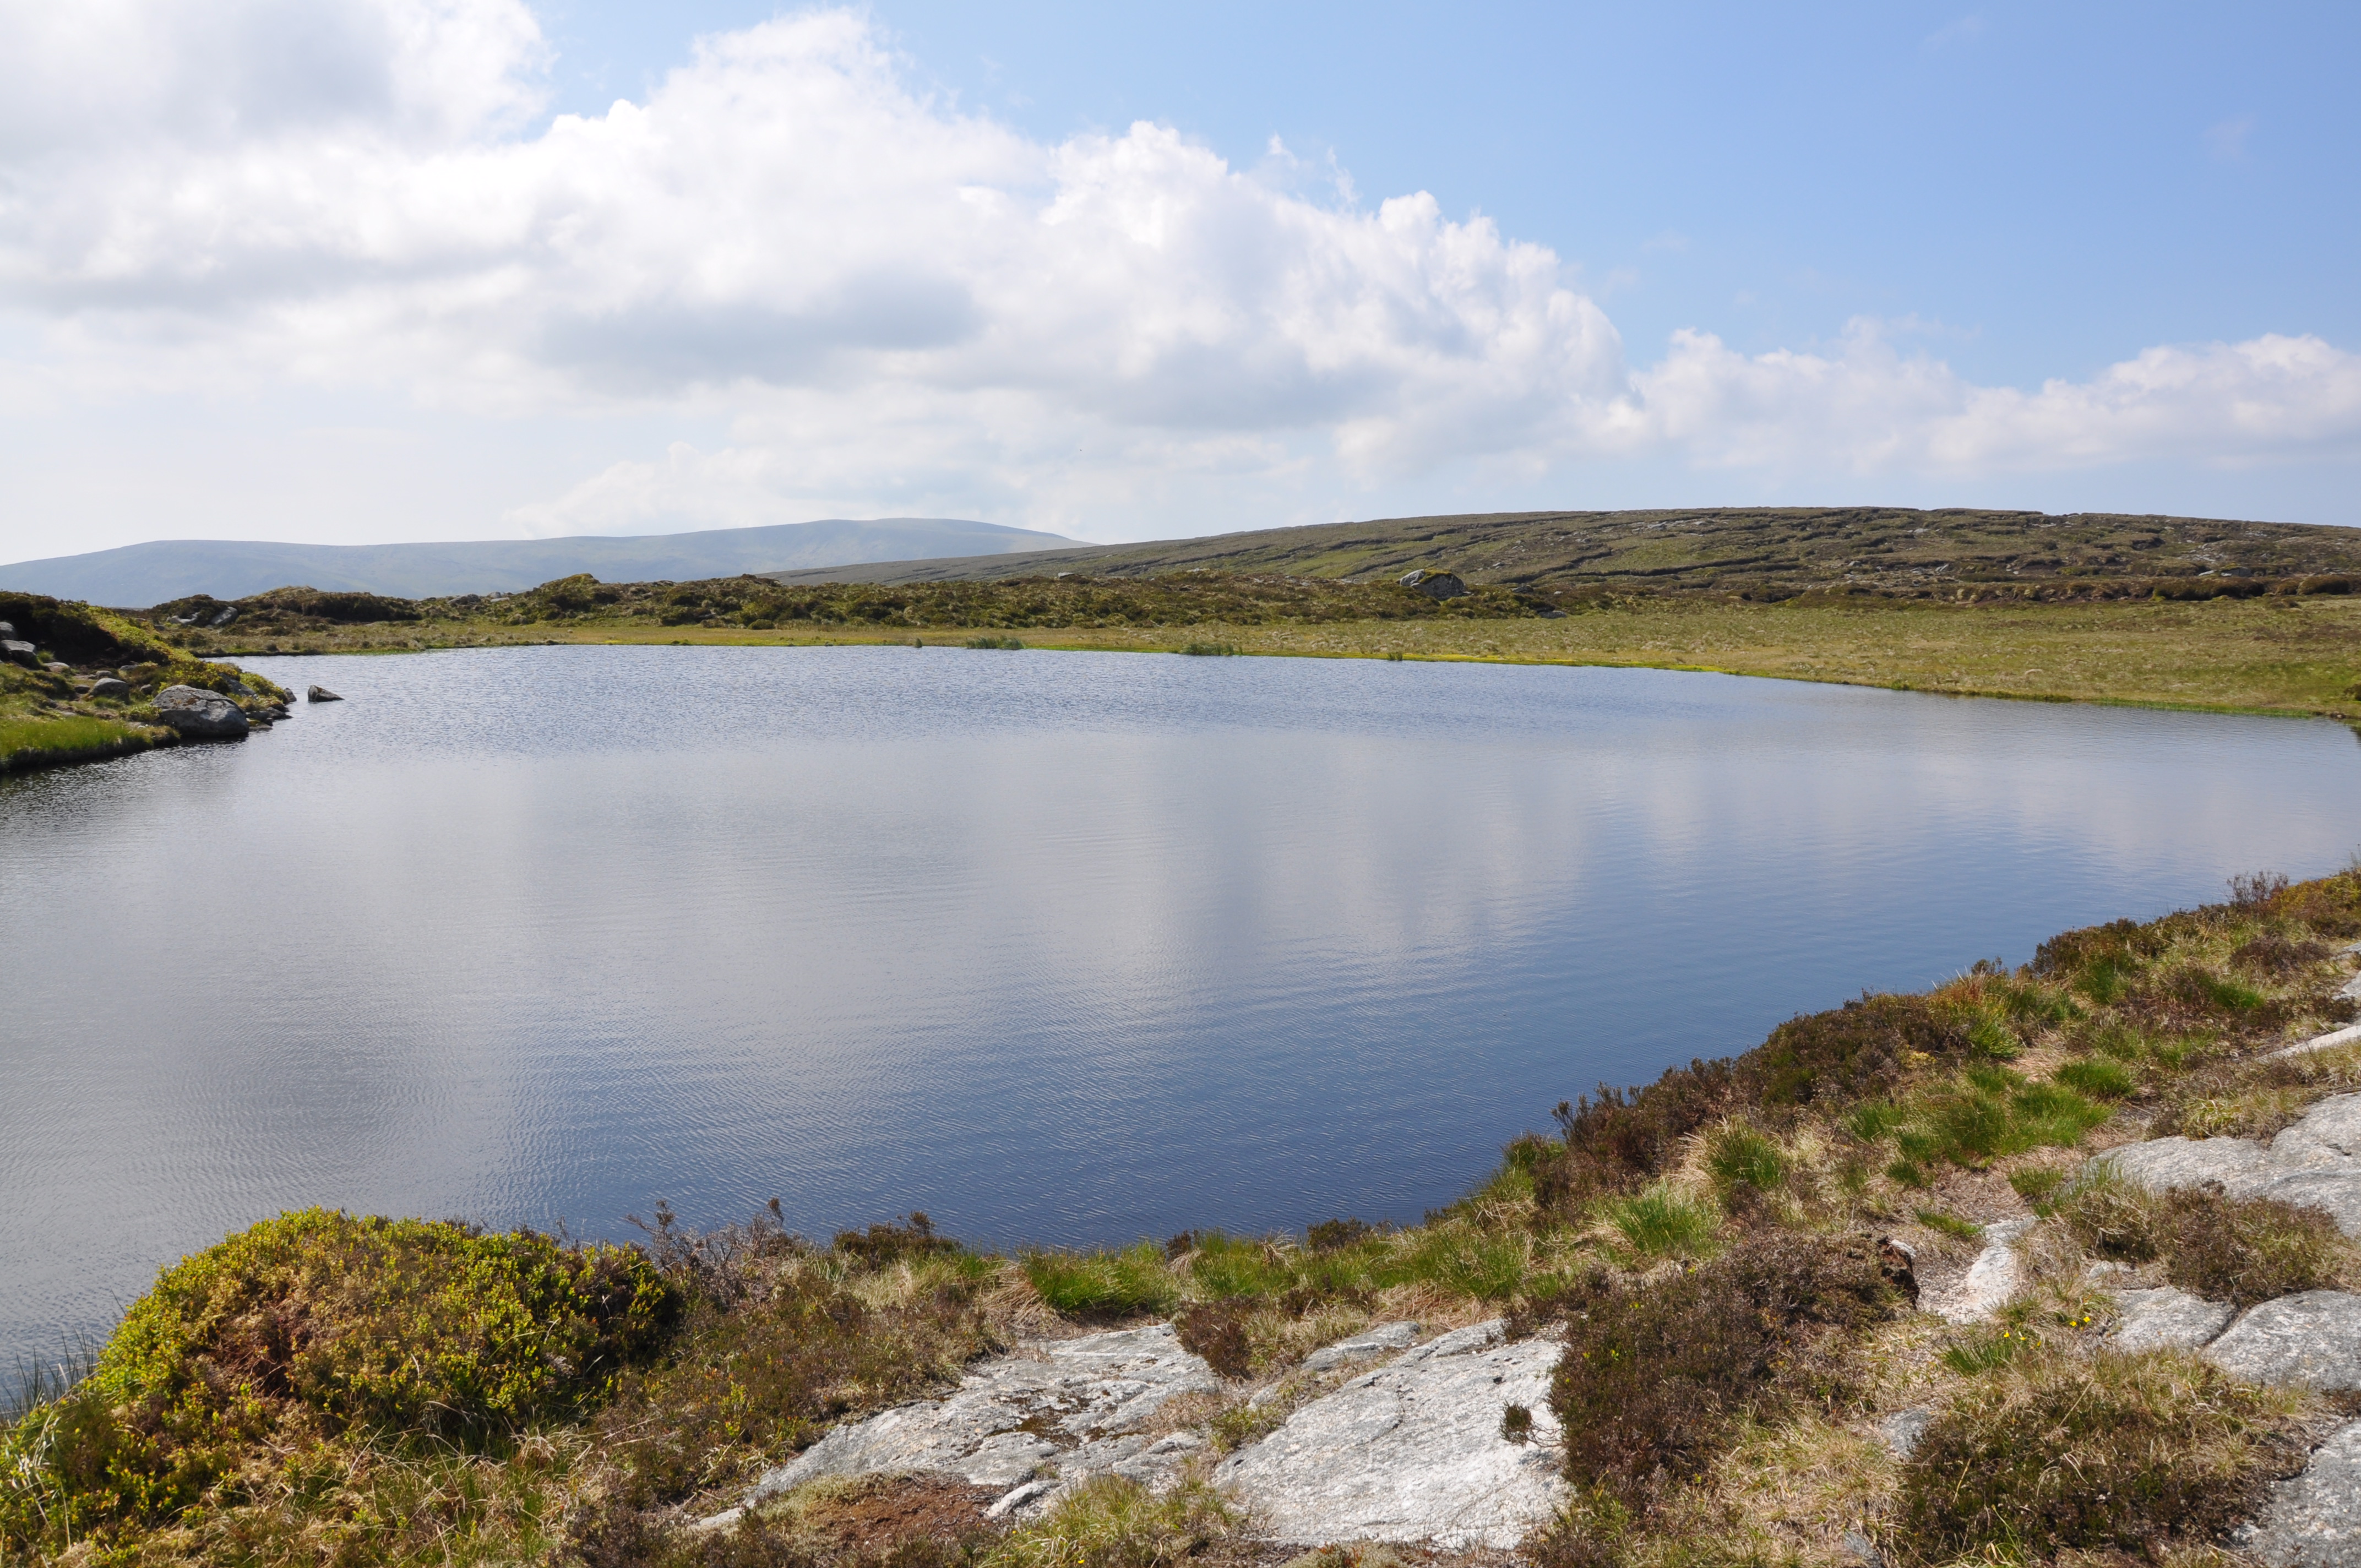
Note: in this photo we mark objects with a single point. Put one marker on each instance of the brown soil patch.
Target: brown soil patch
(879, 1513)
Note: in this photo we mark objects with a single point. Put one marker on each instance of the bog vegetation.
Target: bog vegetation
(1729, 1256)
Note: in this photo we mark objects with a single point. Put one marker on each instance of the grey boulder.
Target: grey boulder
(19, 652)
(1436, 585)
(201, 714)
(2311, 1339)
(108, 686)
(1412, 1452)
(321, 693)
(2314, 1520)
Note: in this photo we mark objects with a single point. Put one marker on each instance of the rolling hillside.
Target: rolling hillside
(142, 574)
(1768, 552)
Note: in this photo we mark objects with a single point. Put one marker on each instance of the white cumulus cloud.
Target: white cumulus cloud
(888, 303)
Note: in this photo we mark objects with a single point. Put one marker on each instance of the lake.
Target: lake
(1060, 948)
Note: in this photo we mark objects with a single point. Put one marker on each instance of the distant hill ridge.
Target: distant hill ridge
(136, 576)
(1756, 551)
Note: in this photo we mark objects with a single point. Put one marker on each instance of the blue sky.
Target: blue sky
(347, 270)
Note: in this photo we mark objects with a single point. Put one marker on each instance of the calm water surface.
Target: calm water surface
(1062, 948)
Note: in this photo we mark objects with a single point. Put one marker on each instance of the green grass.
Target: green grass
(1661, 1222)
(36, 742)
(1105, 1284)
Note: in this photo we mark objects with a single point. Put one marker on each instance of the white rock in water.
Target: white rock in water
(2314, 1520)
(1412, 1452)
(1075, 1406)
(1989, 1282)
(2166, 1319)
(2311, 1339)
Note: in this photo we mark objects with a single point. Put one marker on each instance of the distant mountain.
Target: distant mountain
(136, 576)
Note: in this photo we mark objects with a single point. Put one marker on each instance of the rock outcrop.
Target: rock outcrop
(2312, 1340)
(2313, 1520)
(1989, 1282)
(1436, 585)
(1072, 1407)
(2315, 1163)
(1409, 1451)
(17, 653)
(201, 715)
(2166, 1319)
(1413, 1451)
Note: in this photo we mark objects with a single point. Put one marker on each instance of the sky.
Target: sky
(370, 270)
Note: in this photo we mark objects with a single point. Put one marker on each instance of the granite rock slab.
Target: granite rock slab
(1068, 1408)
(1412, 1452)
(1383, 1340)
(2166, 1319)
(2314, 1520)
(2316, 1164)
(2311, 1339)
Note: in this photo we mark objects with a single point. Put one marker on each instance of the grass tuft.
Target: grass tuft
(1105, 1284)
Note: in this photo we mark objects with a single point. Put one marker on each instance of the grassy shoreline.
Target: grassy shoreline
(1712, 1249)
(2291, 655)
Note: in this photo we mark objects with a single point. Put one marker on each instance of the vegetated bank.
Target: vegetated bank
(1729, 1257)
(2226, 643)
(81, 684)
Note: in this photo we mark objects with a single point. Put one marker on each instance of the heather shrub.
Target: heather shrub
(2048, 1452)
(1854, 1052)
(316, 1323)
(1655, 1374)
(2242, 1250)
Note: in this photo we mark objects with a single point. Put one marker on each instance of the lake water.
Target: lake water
(1061, 948)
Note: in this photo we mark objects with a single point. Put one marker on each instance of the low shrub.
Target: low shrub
(2241, 1250)
(1210, 650)
(989, 642)
(1334, 1235)
(1105, 1284)
(2126, 1452)
(1854, 1052)
(1620, 1138)
(2276, 955)
(1656, 1375)
(892, 1242)
(317, 1323)
(1217, 1331)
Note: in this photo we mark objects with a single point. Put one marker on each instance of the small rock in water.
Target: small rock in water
(321, 693)
(203, 714)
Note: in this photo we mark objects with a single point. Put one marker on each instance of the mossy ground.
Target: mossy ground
(1709, 1247)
